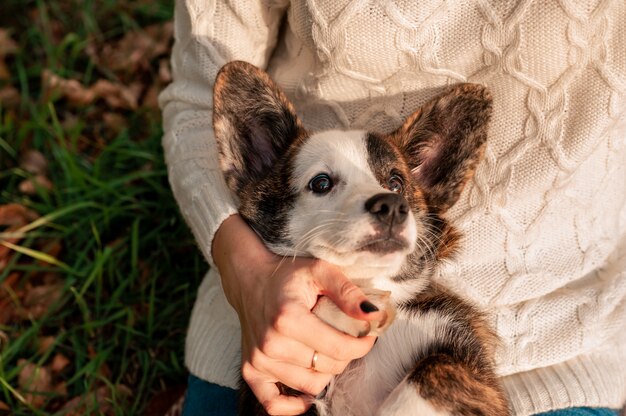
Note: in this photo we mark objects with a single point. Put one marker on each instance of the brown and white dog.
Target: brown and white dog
(373, 205)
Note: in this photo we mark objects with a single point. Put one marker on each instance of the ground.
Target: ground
(98, 271)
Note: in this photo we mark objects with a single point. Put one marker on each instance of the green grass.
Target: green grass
(128, 263)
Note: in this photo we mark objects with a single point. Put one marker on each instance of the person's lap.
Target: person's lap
(208, 399)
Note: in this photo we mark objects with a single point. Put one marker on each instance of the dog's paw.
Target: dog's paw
(382, 300)
(328, 312)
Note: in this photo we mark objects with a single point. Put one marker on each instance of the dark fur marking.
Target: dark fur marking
(382, 158)
(266, 202)
(444, 141)
(450, 385)
(457, 375)
(254, 123)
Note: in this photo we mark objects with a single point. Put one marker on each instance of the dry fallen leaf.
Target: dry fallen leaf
(115, 122)
(9, 96)
(5, 252)
(118, 95)
(53, 248)
(39, 299)
(135, 50)
(78, 406)
(16, 215)
(4, 339)
(73, 90)
(61, 388)
(114, 94)
(30, 186)
(7, 304)
(59, 362)
(7, 47)
(34, 161)
(45, 343)
(34, 381)
(150, 99)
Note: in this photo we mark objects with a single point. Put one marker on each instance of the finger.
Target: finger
(309, 330)
(301, 379)
(326, 365)
(346, 295)
(288, 405)
(288, 350)
(267, 393)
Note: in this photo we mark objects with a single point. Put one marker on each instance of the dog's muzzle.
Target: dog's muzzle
(388, 208)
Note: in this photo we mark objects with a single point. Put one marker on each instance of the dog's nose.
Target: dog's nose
(388, 208)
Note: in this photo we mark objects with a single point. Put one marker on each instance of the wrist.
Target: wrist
(239, 255)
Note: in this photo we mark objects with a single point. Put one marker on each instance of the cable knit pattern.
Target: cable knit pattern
(544, 219)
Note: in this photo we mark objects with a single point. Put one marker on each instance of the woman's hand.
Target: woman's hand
(273, 298)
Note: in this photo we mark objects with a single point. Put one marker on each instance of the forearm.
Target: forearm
(233, 258)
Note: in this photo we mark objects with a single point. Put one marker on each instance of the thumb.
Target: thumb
(346, 295)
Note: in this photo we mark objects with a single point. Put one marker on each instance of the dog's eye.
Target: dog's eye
(321, 184)
(395, 184)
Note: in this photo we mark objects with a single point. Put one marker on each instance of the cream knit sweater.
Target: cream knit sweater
(545, 216)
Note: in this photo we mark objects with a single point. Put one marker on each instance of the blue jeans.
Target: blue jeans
(207, 399)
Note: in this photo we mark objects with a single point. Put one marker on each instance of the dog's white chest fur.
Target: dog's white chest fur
(365, 385)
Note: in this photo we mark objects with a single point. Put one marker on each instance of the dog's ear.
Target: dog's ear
(443, 141)
(254, 123)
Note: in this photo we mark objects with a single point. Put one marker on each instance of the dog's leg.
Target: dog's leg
(453, 374)
(442, 385)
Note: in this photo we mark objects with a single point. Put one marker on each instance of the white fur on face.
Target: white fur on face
(335, 225)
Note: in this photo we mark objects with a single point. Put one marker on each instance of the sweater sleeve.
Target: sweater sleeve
(208, 34)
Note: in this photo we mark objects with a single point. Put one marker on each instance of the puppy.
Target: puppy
(375, 206)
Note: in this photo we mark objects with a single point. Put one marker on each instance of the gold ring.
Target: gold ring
(314, 360)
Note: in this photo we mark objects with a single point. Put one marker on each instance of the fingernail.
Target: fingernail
(368, 307)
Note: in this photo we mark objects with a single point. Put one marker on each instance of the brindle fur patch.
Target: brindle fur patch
(451, 386)
(444, 140)
(457, 375)
(254, 123)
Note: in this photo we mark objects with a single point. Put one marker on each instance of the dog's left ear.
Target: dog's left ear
(254, 123)
(443, 141)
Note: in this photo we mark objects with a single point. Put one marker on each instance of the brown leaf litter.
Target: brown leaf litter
(38, 384)
(134, 52)
(31, 299)
(7, 47)
(101, 398)
(115, 95)
(33, 162)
